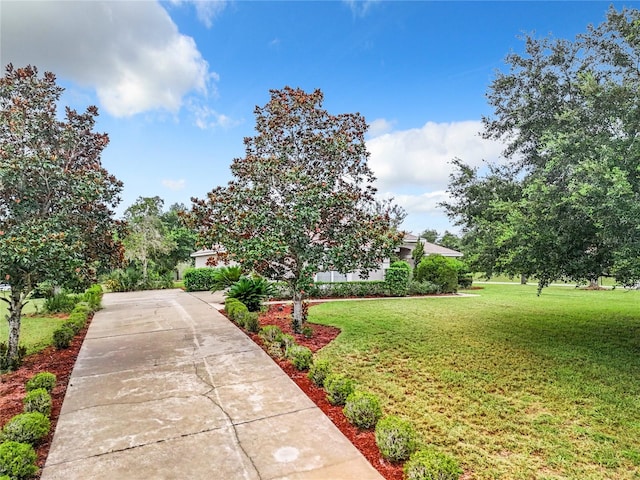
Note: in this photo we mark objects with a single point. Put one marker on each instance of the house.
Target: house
(404, 253)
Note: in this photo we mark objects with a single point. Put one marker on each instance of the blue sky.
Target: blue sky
(176, 81)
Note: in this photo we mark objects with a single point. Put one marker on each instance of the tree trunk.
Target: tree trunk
(297, 311)
(14, 317)
(523, 279)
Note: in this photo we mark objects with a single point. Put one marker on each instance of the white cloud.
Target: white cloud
(206, 10)
(380, 126)
(174, 185)
(207, 118)
(421, 157)
(131, 53)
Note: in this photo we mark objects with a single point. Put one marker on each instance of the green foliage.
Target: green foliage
(250, 321)
(363, 409)
(291, 214)
(63, 336)
(429, 464)
(38, 400)
(235, 309)
(271, 334)
(17, 461)
(418, 253)
(124, 280)
(225, 277)
(251, 291)
(318, 372)
(301, 357)
(199, 279)
(93, 297)
(422, 288)
(347, 289)
(9, 363)
(397, 278)
(26, 428)
(46, 380)
(338, 388)
(307, 332)
(440, 270)
(396, 438)
(62, 302)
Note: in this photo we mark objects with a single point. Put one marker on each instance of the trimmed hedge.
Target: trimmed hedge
(397, 278)
(199, 279)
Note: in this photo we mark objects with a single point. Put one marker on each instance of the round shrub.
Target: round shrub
(430, 464)
(270, 334)
(26, 428)
(38, 400)
(251, 322)
(46, 380)
(363, 410)
(440, 270)
(319, 371)
(287, 341)
(62, 337)
(338, 388)
(300, 356)
(17, 461)
(396, 438)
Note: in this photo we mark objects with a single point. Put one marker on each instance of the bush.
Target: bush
(300, 356)
(235, 309)
(26, 428)
(362, 410)
(38, 400)
(319, 371)
(287, 341)
(338, 388)
(251, 291)
(62, 336)
(199, 279)
(224, 277)
(93, 297)
(396, 438)
(61, 303)
(46, 380)
(249, 321)
(397, 278)
(17, 461)
(271, 334)
(430, 464)
(9, 364)
(422, 288)
(128, 280)
(442, 271)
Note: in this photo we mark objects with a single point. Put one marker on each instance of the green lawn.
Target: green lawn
(36, 331)
(514, 385)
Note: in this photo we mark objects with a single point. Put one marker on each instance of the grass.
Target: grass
(514, 385)
(36, 331)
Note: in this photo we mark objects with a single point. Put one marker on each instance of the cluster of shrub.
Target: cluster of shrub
(131, 279)
(395, 437)
(433, 274)
(79, 307)
(26, 430)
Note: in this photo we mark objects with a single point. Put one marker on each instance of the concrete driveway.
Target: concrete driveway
(165, 387)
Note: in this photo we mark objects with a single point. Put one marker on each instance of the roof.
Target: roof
(431, 248)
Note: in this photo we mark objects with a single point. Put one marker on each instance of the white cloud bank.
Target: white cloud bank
(413, 166)
(130, 52)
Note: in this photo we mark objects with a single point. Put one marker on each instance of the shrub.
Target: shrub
(440, 270)
(362, 410)
(8, 364)
(61, 303)
(396, 438)
(224, 277)
(235, 309)
(287, 341)
(319, 371)
(93, 297)
(38, 400)
(275, 350)
(249, 321)
(270, 334)
(307, 331)
(397, 278)
(338, 388)
(199, 279)
(422, 288)
(300, 356)
(17, 461)
(46, 380)
(430, 464)
(62, 337)
(26, 428)
(128, 280)
(251, 291)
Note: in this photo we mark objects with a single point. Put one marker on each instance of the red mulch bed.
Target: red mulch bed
(61, 362)
(58, 362)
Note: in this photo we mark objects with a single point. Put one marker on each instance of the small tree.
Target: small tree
(56, 199)
(417, 253)
(302, 199)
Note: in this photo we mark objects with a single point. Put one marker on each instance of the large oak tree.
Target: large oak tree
(567, 202)
(56, 199)
(302, 199)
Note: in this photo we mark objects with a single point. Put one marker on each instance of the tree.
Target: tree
(147, 238)
(417, 253)
(56, 199)
(183, 238)
(302, 198)
(449, 240)
(566, 204)
(430, 235)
